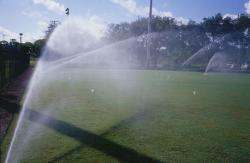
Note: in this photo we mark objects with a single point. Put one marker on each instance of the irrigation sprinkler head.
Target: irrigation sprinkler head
(92, 91)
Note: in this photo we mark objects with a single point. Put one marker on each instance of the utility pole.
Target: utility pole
(21, 37)
(149, 35)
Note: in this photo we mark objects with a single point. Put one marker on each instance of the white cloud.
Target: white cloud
(39, 33)
(84, 32)
(135, 9)
(7, 34)
(93, 24)
(232, 16)
(33, 14)
(51, 5)
(181, 20)
(32, 37)
(40, 22)
(247, 7)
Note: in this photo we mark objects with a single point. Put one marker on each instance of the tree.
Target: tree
(28, 48)
(213, 24)
(38, 46)
(117, 32)
(227, 25)
(242, 22)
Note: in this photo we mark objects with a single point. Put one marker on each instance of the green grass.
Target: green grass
(7, 138)
(152, 114)
(33, 61)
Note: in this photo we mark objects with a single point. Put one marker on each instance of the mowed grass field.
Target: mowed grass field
(131, 115)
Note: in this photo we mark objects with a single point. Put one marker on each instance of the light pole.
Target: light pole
(21, 36)
(149, 35)
(67, 11)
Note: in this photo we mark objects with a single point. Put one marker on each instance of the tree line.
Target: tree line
(214, 26)
(14, 59)
(172, 42)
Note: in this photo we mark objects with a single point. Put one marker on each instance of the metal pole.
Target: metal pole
(21, 35)
(149, 35)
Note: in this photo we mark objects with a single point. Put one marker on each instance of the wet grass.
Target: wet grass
(139, 116)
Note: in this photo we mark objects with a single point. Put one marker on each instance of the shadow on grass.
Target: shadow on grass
(108, 147)
(121, 123)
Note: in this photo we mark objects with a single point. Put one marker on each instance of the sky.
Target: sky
(31, 17)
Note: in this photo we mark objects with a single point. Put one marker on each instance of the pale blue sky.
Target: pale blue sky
(31, 16)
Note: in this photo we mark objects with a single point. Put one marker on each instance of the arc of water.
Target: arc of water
(48, 66)
(61, 62)
(22, 114)
(208, 49)
(219, 56)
